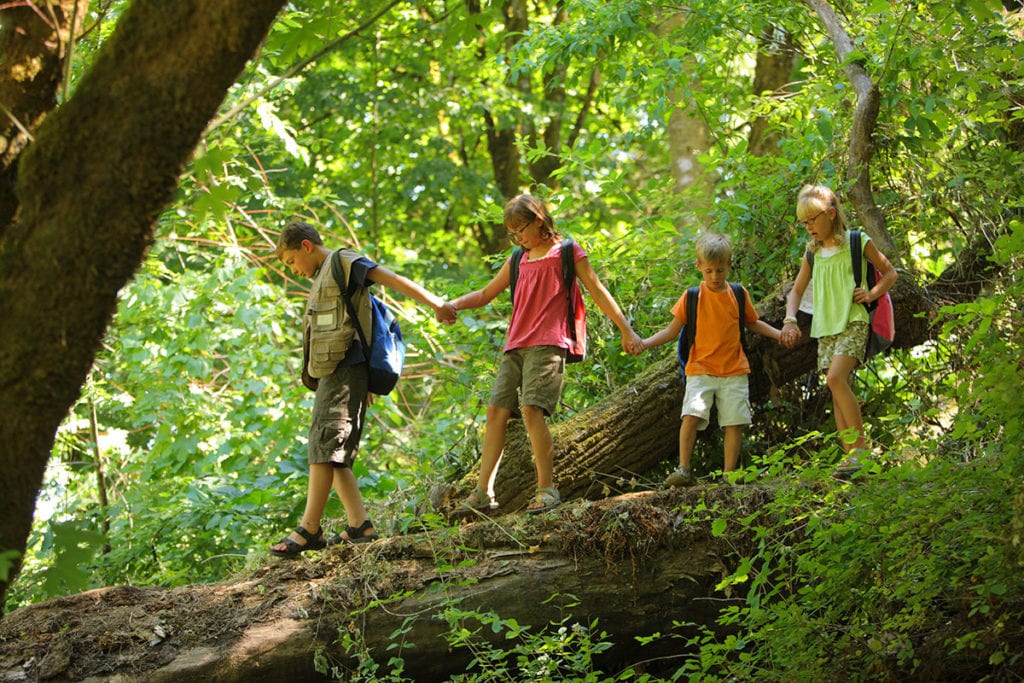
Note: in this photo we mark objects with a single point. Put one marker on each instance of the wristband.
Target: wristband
(789, 319)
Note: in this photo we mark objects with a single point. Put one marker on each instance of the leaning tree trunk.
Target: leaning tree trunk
(861, 146)
(636, 429)
(89, 188)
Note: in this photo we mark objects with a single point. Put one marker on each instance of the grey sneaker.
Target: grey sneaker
(681, 477)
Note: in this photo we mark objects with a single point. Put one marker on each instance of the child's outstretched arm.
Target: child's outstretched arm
(669, 333)
(414, 290)
(765, 330)
(887, 273)
(482, 297)
(631, 341)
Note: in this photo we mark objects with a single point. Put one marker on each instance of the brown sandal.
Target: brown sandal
(479, 500)
(545, 499)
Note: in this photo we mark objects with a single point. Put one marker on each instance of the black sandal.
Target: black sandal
(293, 549)
(355, 534)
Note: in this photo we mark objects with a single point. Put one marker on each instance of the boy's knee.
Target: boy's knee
(496, 413)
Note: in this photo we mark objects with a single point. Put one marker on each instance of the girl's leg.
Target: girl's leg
(494, 444)
(733, 439)
(844, 401)
(541, 443)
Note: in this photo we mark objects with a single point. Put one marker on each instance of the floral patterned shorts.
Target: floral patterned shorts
(850, 342)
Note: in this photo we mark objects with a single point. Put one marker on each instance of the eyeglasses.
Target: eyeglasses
(516, 232)
(810, 222)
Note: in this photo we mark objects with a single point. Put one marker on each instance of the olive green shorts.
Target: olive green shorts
(532, 376)
(338, 413)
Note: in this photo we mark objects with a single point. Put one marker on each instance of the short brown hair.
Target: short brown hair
(294, 234)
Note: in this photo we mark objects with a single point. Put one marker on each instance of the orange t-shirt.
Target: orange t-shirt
(716, 349)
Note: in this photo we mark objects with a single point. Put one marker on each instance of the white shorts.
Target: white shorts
(730, 394)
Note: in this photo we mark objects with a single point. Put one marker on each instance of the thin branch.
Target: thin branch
(861, 147)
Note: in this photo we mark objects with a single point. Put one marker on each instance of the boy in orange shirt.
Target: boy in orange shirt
(717, 368)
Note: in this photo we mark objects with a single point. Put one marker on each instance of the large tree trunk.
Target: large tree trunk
(88, 190)
(776, 59)
(629, 563)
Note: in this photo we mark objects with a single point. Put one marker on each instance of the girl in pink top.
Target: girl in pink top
(532, 369)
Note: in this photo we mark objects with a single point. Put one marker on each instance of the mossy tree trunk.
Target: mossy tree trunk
(630, 565)
(80, 208)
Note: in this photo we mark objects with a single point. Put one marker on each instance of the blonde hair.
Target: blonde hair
(812, 200)
(713, 247)
(525, 209)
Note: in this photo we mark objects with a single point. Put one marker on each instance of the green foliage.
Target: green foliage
(837, 585)
(990, 334)
(73, 546)
(384, 142)
(8, 558)
(500, 649)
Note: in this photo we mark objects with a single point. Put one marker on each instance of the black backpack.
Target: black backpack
(577, 326)
(689, 331)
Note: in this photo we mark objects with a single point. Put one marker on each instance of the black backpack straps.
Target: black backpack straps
(692, 295)
(689, 331)
(741, 300)
(517, 256)
(855, 256)
(569, 278)
(568, 264)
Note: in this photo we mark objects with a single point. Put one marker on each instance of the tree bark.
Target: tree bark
(33, 53)
(631, 564)
(776, 58)
(88, 190)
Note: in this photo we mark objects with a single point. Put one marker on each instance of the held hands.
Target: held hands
(632, 343)
(790, 335)
(446, 313)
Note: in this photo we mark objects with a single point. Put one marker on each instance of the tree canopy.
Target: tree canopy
(150, 409)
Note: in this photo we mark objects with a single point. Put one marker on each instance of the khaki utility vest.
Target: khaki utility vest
(327, 327)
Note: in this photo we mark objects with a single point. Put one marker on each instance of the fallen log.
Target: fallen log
(631, 565)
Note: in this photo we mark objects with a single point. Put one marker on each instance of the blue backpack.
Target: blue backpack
(386, 348)
(689, 331)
